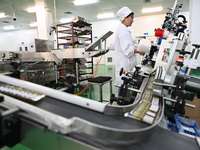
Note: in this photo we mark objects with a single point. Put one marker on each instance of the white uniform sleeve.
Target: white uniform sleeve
(125, 43)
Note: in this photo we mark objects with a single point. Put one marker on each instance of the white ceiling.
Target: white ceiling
(89, 12)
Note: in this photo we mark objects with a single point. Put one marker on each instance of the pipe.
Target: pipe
(73, 99)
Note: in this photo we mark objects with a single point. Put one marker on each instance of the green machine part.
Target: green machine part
(193, 84)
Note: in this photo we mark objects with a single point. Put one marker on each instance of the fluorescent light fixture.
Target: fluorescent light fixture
(105, 15)
(10, 27)
(154, 9)
(84, 2)
(33, 24)
(34, 9)
(65, 20)
(31, 9)
(2, 15)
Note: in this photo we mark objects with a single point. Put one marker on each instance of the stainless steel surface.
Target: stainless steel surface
(93, 45)
(131, 89)
(78, 125)
(117, 134)
(62, 125)
(77, 73)
(60, 54)
(38, 72)
(8, 55)
(36, 137)
(164, 84)
(9, 112)
(43, 53)
(198, 141)
(53, 122)
(158, 90)
(43, 45)
(55, 59)
(75, 53)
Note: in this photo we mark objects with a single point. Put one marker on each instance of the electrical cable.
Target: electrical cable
(94, 74)
(21, 77)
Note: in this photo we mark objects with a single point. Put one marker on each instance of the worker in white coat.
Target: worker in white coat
(124, 44)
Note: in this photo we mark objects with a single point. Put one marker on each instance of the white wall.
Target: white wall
(9, 41)
(141, 25)
(195, 21)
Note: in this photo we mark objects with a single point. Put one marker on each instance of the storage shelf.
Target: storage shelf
(76, 32)
(85, 73)
(71, 34)
(66, 37)
(66, 25)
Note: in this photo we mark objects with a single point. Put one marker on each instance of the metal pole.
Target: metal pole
(173, 100)
(101, 95)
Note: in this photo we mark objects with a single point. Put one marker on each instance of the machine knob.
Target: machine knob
(137, 68)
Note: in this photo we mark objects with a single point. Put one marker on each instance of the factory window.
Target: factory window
(109, 59)
(26, 48)
(110, 69)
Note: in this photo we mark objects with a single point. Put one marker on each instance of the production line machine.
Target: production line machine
(62, 120)
(44, 118)
(169, 73)
(172, 66)
(46, 65)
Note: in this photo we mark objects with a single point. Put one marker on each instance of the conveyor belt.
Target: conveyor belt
(126, 138)
(69, 110)
(91, 121)
(161, 139)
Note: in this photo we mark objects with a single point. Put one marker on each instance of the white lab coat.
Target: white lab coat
(124, 52)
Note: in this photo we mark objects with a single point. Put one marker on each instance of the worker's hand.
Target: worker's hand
(136, 51)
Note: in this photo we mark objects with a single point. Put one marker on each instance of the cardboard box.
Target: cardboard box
(193, 113)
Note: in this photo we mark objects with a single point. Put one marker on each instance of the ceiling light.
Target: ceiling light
(65, 20)
(34, 9)
(84, 2)
(34, 24)
(105, 15)
(154, 9)
(31, 10)
(2, 15)
(10, 27)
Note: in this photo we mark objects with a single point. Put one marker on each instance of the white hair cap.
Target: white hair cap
(123, 12)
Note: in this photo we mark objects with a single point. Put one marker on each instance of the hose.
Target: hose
(94, 74)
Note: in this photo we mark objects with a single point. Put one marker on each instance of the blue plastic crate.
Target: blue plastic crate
(171, 126)
(187, 126)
